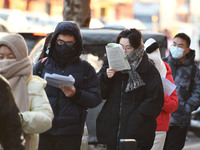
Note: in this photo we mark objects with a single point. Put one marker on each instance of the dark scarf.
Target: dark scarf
(64, 54)
(134, 59)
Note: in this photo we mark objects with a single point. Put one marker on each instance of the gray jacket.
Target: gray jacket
(187, 79)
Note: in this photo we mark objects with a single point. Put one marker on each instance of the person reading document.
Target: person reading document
(133, 98)
(69, 103)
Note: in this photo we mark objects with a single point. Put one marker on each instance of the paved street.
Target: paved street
(192, 143)
(98, 147)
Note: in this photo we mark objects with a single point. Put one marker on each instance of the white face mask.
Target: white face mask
(7, 62)
(176, 52)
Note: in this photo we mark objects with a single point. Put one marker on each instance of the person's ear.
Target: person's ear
(187, 51)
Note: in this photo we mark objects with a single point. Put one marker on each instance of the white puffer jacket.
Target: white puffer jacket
(39, 118)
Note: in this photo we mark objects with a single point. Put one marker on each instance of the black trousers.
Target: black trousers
(175, 139)
(111, 148)
(115, 148)
(60, 142)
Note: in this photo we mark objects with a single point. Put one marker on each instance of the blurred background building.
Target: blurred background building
(167, 16)
(154, 14)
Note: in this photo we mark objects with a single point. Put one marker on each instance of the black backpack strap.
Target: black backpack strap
(41, 66)
(85, 75)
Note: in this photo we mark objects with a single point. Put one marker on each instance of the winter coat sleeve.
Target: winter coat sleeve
(39, 118)
(171, 102)
(89, 97)
(104, 81)
(36, 68)
(154, 95)
(193, 102)
(10, 126)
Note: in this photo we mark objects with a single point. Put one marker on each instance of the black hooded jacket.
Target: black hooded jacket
(186, 76)
(70, 113)
(67, 26)
(10, 125)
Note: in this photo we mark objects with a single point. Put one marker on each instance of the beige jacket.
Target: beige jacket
(39, 118)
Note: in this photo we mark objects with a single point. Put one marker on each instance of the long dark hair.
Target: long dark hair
(46, 46)
(134, 36)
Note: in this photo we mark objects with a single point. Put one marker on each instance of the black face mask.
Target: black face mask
(64, 53)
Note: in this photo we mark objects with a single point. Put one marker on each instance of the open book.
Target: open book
(116, 57)
(57, 80)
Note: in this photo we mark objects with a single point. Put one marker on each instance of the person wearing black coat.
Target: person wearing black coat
(134, 98)
(69, 104)
(10, 125)
(186, 76)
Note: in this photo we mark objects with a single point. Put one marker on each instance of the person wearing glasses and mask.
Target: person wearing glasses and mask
(186, 76)
(69, 104)
(134, 98)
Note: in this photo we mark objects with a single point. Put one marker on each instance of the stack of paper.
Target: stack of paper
(116, 57)
(57, 80)
(168, 86)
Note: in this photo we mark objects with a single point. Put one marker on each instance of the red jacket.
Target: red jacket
(170, 105)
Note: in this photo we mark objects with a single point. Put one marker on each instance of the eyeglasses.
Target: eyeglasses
(127, 48)
(61, 42)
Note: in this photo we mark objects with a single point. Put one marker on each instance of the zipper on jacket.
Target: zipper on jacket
(57, 113)
(58, 105)
(120, 109)
(59, 96)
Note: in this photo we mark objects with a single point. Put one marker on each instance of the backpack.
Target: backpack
(85, 76)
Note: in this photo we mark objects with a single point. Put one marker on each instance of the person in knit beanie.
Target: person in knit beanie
(35, 111)
(170, 101)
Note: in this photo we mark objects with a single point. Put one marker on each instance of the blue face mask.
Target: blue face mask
(176, 52)
(47, 51)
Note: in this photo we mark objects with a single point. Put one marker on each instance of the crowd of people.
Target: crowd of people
(36, 114)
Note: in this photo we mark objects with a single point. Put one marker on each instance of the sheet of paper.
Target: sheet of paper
(57, 80)
(116, 57)
(168, 86)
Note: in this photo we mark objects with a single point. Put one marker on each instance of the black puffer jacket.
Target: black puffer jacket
(10, 125)
(187, 79)
(130, 115)
(70, 113)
